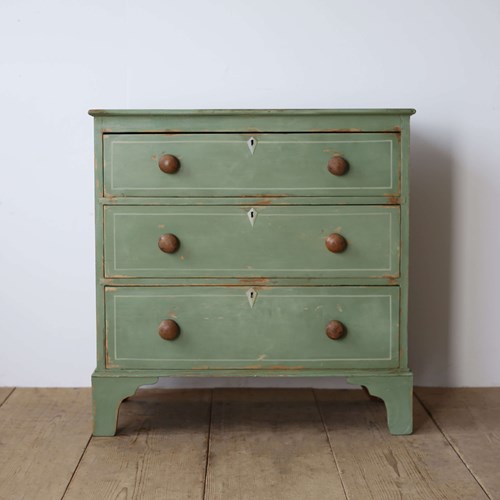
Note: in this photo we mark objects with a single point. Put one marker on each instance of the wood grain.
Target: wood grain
(470, 420)
(374, 464)
(159, 451)
(265, 444)
(269, 445)
(5, 392)
(43, 433)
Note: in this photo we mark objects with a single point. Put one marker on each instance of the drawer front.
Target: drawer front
(246, 242)
(228, 165)
(281, 327)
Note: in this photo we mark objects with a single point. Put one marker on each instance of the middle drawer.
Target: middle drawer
(228, 241)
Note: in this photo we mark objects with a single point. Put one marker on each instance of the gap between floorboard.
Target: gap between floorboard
(8, 395)
(77, 466)
(457, 452)
(318, 407)
(208, 442)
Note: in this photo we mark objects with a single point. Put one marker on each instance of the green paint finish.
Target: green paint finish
(260, 120)
(255, 201)
(223, 164)
(107, 394)
(283, 241)
(397, 393)
(405, 236)
(307, 282)
(286, 113)
(221, 329)
(282, 256)
(252, 373)
(99, 249)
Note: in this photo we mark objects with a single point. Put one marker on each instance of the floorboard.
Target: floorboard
(470, 420)
(43, 433)
(374, 464)
(269, 445)
(159, 452)
(241, 444)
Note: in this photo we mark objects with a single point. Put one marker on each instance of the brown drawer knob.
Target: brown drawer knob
(169, 329)
(169, 164)
(335, 329)
(169, 243)
(336, 243)
(338, 165)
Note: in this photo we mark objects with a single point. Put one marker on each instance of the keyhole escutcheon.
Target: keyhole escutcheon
(252, 215)
(252, 143)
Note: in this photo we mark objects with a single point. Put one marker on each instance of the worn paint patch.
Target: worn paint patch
(253, 281)
(392, 199)
(106, 350)
(269, 195)
(264, 202)
(335, 130)
(391, 280)
(282, 367)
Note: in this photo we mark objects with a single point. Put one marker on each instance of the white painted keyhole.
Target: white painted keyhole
(252, 215)
(252, 143)
(251, 296)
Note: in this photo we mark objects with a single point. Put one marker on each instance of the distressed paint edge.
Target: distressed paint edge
(251, 112)
(249, 201)
(405, 240)
(99, 242)
(252, 373)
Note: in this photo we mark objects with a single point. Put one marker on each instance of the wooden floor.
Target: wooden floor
(257, 444)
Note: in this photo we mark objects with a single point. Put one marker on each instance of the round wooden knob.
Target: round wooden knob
(335, 329)
(336, 243)
(338, 165)
(169, 329)
(169, 243)
(169, 164)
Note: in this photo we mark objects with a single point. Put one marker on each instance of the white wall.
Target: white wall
(60, 58)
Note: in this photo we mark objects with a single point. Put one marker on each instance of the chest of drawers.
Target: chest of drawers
(252, 243)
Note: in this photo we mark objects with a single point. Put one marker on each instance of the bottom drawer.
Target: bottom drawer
(242, 328)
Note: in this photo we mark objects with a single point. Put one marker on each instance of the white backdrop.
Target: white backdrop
(60, 58)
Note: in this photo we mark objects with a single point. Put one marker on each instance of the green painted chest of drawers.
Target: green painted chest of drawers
(252, 243)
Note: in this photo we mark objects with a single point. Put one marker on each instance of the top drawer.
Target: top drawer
(249, 164)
